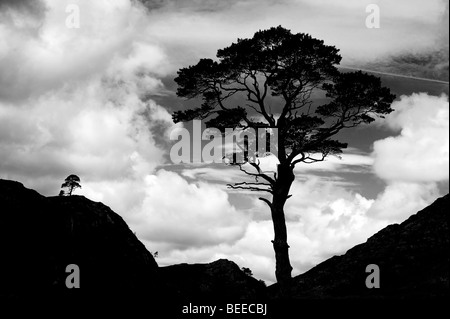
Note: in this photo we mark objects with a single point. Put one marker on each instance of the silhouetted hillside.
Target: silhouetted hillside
(40, 237)
(414, 261)
(220, 280)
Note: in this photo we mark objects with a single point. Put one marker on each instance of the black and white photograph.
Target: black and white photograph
(225, 158)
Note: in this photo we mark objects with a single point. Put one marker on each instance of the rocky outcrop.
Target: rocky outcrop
(220, 280)
(414, 262)
(40, 237)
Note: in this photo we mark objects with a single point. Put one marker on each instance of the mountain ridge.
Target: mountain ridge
(49, 233)
(413, 258)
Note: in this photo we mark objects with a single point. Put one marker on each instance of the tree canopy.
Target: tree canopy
(290, 67)
(71, 183)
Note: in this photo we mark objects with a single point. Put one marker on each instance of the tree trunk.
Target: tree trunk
(285, 178)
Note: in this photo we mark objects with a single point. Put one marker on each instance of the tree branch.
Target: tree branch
(245, 186)
(266, 201)
(260, 174)
(310, 160)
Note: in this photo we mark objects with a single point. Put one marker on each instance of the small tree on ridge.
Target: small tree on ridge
(71, 183)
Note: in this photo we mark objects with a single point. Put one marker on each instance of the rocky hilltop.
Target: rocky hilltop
(40, 236)
(414, 262)
(220, 280)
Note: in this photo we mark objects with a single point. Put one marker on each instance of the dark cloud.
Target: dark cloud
(431, 64)
(33, 7)
(194, 5)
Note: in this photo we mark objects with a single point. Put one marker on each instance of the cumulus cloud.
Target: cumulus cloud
(415, 161)
(400, 200)
(80, 131)
(187, 215)
(78, 100)
(330, 225)
(421, 152)
(56, 55)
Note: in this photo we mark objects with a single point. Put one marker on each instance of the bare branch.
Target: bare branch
(310, 160)
(254, 108)
(250, 188)
(252, 184)
(293, 155)
(258, 175)
(255, 96)
(266, 201)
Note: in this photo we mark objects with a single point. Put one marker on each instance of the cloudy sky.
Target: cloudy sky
(97, 101)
